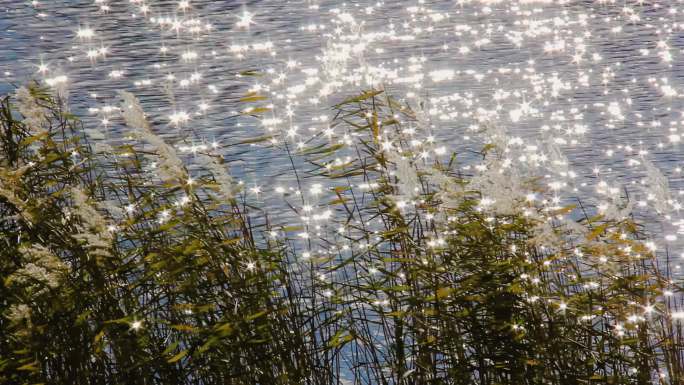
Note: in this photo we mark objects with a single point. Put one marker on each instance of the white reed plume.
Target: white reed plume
(171, 167)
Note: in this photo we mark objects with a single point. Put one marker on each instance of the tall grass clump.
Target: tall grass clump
(121, 267)
(112, 277)
(485, 278)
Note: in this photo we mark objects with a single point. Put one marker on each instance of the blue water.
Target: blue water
(46, 33)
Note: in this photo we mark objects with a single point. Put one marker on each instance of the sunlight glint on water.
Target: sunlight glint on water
(585, 94)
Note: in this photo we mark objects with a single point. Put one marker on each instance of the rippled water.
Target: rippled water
(601, 80)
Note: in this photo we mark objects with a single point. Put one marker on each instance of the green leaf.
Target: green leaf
(340, 338)
(210, 342)
(170, 348)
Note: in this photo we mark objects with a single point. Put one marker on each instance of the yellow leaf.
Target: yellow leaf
(443, 292)
(598, 230)
(255, 111)
(252, 97)
(99, 336)
(177, 357)
(30, 367)
(184, 328)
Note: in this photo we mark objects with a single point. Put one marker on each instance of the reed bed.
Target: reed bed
(120, 267)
